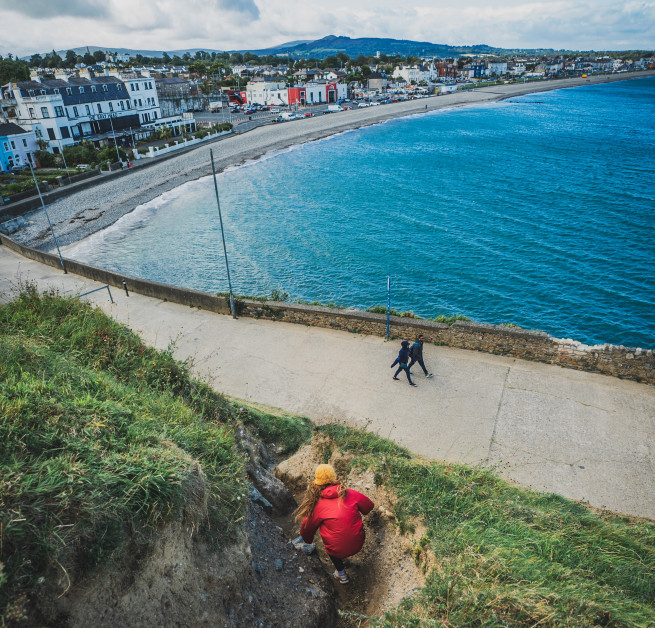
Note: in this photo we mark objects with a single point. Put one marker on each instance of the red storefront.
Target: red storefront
(237, 97)
(297, 95)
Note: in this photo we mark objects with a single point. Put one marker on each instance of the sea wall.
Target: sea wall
(618, 361)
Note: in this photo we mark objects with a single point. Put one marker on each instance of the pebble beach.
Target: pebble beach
(77, 216)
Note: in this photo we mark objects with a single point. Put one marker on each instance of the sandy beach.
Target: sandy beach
(83, 213)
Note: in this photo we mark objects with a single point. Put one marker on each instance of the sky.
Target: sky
(29, 26)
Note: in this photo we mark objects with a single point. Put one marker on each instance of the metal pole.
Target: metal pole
(388, 303)
(45, 211)
(220, 217)
(114, 134)
(61, 147)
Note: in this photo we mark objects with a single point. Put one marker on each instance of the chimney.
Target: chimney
(35, 76)
(60, 74)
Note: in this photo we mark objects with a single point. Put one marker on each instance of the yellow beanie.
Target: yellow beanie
(325, 474)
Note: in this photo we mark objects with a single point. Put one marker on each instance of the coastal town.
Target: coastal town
(112, 100)
(337, 332)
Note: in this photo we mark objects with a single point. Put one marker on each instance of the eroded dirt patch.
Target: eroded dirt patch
(384, 572)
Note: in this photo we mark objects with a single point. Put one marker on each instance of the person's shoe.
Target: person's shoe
(430, 375)
(412, 384)
(342, 579)
(396, 378)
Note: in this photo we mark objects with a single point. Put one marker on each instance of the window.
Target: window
(105, 88)
(99, 108)
(59, 112)
(129, 104)
(132, 86)
(119, 86)
(25, 143)
(65, 133)
(93, 89)
(31, 112)
(111, 106)
(12, 144)
(81, 90)
(75, 112)
(56, 90)
(154, 115)
(88, 110)
(140, 103)
(6, 147)
(43, 92)
(44, 112)
(51, 134)
(69, 91)
(122, 106)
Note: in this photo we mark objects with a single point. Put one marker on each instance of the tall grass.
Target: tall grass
(103, 440)
(507, 556)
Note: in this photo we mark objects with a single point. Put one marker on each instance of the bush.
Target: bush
(84, 153)
(45, 159)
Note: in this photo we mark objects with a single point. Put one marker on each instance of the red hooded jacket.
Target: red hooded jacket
(339, 521)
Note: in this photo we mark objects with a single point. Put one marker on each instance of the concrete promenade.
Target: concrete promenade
(586, 436)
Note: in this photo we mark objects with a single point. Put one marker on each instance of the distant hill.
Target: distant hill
(333, 44)
(158, 54)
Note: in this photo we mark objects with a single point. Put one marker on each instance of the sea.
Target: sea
(536, 211)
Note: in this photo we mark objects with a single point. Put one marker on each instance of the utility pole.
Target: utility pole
(220, 217)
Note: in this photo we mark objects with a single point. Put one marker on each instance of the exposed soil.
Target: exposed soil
(258, 580)
(384, 572)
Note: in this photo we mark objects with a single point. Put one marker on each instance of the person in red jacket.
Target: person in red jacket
(336, 511)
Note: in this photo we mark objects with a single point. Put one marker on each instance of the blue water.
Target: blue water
(537, 211)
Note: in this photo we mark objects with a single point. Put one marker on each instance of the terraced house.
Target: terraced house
(68, 109)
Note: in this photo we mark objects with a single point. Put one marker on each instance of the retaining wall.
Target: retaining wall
(618, 361)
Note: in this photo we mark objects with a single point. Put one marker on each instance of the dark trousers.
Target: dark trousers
(337, 562)
(420, 361)
(403, 367)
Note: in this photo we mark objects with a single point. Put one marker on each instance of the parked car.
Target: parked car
(275, 110)
(16, 169)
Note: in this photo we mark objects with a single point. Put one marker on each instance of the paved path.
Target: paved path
(586, 436)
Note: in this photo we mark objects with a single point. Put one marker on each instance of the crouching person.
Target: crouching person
(336, 512)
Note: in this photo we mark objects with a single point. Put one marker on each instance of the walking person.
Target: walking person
(401, 361)
(416, 354)
(336, 512)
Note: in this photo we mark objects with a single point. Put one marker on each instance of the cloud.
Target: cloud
(245, 7)
(46, 9)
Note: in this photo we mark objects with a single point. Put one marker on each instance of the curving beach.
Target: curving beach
(83, 213)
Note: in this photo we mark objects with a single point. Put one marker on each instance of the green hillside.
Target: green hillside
(102, 439)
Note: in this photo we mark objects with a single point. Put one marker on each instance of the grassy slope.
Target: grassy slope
(507, 556)
(98, 437)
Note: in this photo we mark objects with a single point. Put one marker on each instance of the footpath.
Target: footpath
(585, 436)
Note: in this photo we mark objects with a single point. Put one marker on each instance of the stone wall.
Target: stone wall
(618, 361)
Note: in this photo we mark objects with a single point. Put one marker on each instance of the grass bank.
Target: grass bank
(101, 438)
(500, 555)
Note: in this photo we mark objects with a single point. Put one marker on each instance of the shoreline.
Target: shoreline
(84, 213)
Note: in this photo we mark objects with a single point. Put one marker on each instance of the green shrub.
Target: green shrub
(44, 159)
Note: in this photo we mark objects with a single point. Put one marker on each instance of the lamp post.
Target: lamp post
(45, 211)
(220, 217)
(111, 115)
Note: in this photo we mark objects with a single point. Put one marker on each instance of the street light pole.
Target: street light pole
(45, 211)
(220, 217)
(114, 134)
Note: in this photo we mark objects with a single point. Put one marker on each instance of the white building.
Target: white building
(412, 73)
(497, 68)
(267, 92)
